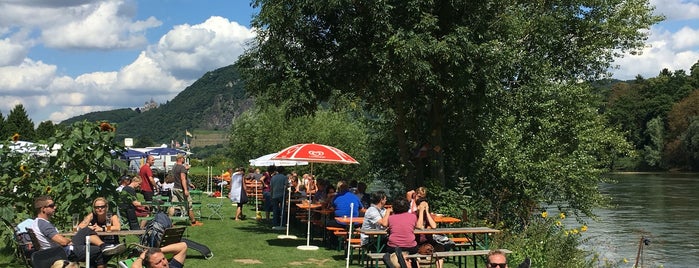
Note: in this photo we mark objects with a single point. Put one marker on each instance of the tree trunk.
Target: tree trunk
(403, 150)
(436, 138)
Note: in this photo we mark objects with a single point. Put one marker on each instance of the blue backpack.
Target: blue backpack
(155, 229)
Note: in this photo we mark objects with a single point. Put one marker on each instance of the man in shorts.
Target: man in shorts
(180, 191)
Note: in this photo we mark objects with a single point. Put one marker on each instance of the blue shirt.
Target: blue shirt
(342, 204)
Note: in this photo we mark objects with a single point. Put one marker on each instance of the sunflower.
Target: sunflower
(105, 126)
(15, 137)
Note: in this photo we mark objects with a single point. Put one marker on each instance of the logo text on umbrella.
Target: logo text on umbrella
(318, 154)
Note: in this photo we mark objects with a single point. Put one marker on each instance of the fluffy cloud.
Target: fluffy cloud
(672, 45)
(159, 71)
(186, 50)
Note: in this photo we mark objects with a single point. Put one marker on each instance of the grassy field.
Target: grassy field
(247, 243)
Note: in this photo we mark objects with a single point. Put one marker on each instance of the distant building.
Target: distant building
(149, 105)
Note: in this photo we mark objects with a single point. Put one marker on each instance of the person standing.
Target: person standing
(238, 192)
(278, 188)
(147, 181)
(180, 191)
(266, 194)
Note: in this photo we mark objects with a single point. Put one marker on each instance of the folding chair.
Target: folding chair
(127, 263)
(216, 209)
(46, 257)
(196, 203)
(172, 235)
(24, 248)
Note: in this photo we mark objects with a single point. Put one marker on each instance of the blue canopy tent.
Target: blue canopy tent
(166, 151)
(130, 154)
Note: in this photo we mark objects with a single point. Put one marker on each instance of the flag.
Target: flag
(186, 132)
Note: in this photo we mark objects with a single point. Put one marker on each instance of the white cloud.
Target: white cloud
(188, 49)
(106, 24)
(26, 78)
(676, 9)
(159, 72)
(103, 26)
(12, 53)
(672, 45)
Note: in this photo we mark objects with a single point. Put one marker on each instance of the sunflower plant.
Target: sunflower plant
(76, 167)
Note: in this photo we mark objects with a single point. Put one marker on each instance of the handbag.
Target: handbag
(443, 241)
(425, 249)
(243, 197)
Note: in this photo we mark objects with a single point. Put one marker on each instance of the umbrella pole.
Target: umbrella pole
(288, 211)
(349, 234)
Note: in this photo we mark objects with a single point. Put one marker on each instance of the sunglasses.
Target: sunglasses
(497, 265)
(52, 205)
(101, 207)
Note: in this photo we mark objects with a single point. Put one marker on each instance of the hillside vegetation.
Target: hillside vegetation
(206, 109)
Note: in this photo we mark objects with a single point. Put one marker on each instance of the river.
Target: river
(661, 207)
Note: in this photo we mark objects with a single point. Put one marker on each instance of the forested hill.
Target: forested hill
(210, 103)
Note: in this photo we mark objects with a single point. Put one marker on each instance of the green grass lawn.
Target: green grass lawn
(247, 243)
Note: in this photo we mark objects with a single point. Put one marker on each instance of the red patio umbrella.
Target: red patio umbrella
(315, 153)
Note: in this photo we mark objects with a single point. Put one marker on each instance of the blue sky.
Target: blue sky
(62, 58)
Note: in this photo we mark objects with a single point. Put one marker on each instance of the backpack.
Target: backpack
(155, 229)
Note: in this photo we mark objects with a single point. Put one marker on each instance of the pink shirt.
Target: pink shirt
(401, 228)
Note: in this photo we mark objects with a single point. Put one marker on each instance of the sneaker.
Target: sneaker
(111, 249)
(197, 223)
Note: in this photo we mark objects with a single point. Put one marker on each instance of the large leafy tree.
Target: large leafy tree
(440, 74)
(3, 134)
(262, 131)
(18, 122)
(45, 130)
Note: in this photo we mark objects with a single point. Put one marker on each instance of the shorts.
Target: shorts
(178, 196)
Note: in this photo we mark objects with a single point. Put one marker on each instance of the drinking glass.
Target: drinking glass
(109, 222)
(76, 222)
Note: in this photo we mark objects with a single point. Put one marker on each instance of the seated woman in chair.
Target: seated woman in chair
(97, 220)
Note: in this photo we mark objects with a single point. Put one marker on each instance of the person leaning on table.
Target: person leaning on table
(496, 259)
(155, 257)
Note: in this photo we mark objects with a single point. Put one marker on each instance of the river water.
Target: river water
(661, 207)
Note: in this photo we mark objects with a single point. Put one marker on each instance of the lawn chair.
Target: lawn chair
(216, 209)
(196, 203)
(44, 258)
(22, 241)
(172, 235)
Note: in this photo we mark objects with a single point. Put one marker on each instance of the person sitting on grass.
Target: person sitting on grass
(155, 257)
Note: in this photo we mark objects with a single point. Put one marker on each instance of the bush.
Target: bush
(547, 242)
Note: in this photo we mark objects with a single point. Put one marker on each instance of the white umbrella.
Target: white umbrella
(266, 160)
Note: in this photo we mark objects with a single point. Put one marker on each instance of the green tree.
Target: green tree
(653, 152)
(143, 142)
(263, 131)
(431, 66)
(3, 134)
(439, 73)
(18, 122)
(690, 142)
(45, 130)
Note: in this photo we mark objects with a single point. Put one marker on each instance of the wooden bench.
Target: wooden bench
(445, 254)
